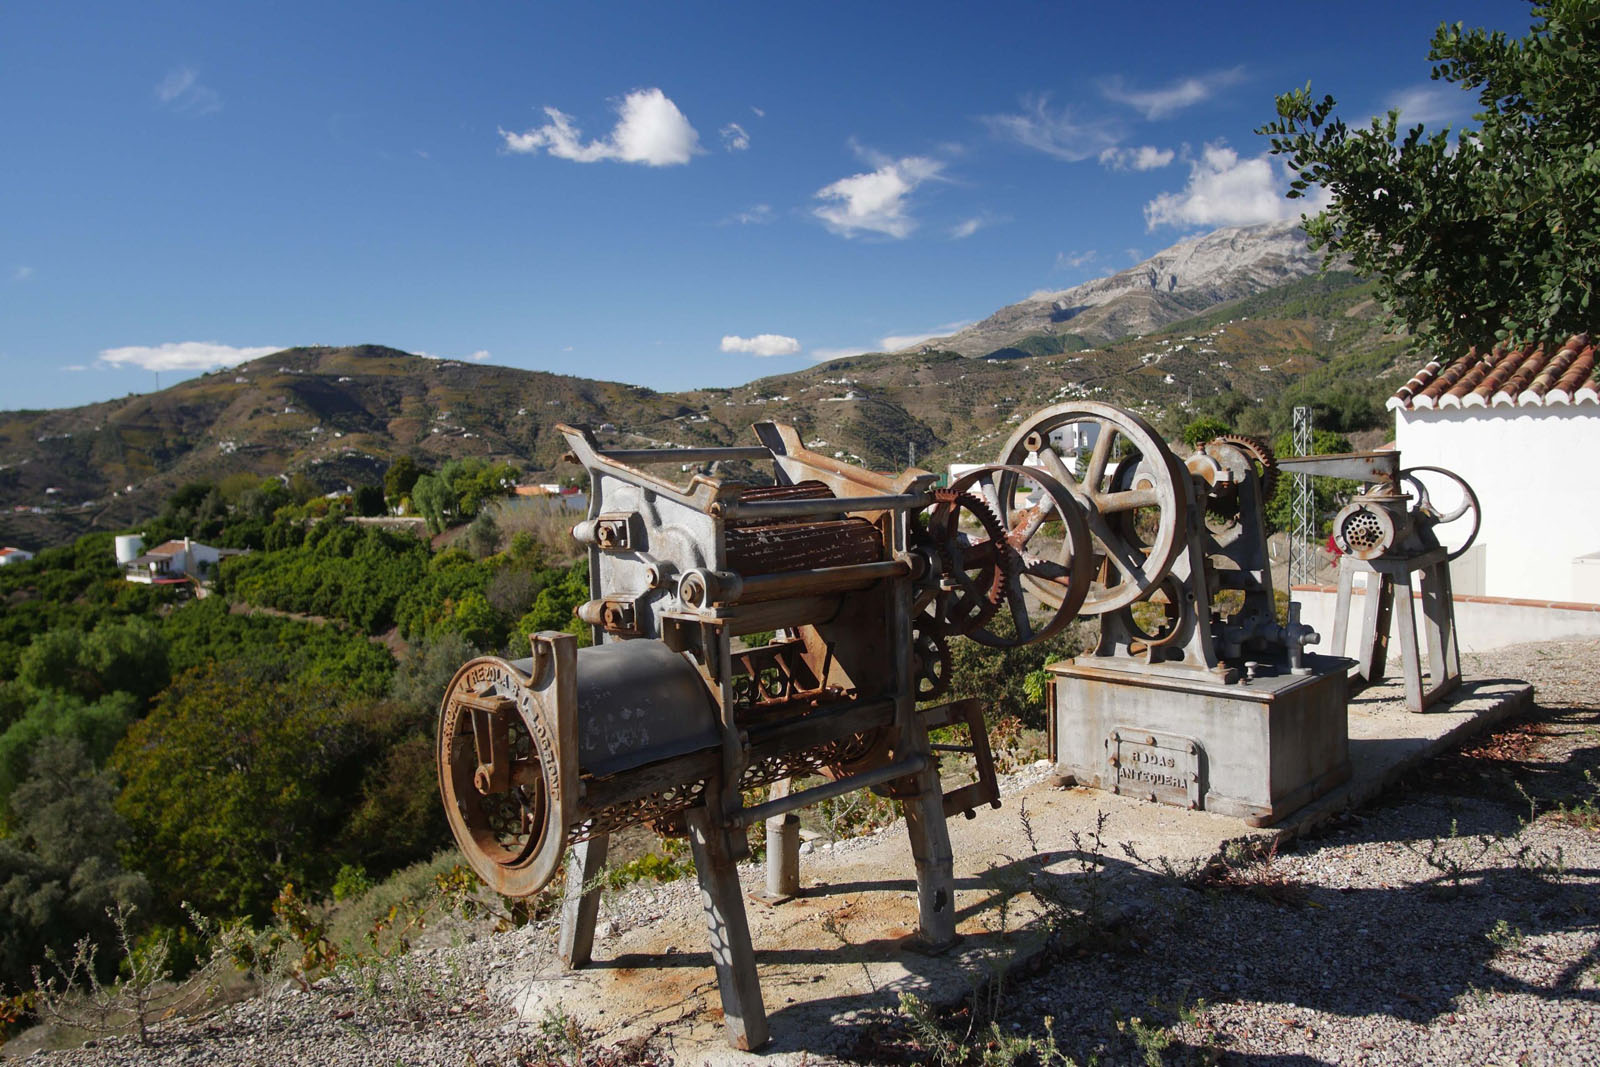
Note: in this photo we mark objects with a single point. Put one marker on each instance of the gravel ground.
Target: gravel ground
(1440, 925)
(1444, 924)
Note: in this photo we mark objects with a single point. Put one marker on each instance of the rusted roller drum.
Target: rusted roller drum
(516, 737)
(1129, 483)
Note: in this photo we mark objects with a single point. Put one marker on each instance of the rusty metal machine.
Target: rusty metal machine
(1391, 531)
(1196, 694)
(671, 720)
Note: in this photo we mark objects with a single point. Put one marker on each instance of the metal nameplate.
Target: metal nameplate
(1161, 767)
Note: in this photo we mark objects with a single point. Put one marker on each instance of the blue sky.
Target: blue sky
(673, 195)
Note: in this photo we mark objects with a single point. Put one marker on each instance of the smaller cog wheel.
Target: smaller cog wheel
(973, 569)
(1258, 450)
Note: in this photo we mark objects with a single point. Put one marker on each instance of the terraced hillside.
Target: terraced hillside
(341, 415)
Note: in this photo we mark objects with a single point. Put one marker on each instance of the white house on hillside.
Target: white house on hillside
(174, 561)
(14, 555)
(1522, 426)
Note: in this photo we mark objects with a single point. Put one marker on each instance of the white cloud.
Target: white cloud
(823, 355)
(756, 215)
(1433, 104)
(22, 274)
(75, 367)
(966, 229)
(650, 130)
(480, 356)
(734, 139)
(760, 114)
(875, 202)
(762, 344)
(1056, 134)
(1169, 99)
(182, 355)
(895, 342)
(1225, 190)
(181, 91)
(1145, 157)
(1075, 260)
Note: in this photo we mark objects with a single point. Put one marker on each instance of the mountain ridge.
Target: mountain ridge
(339, 416)
(1175, 283)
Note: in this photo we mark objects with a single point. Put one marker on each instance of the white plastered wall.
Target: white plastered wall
(1533, 469)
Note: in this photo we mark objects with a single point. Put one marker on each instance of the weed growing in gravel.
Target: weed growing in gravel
(1583, 812)
(1505, 937)
(1453, 857)
(75, 997)
(996, 1049)
(1152, 1039)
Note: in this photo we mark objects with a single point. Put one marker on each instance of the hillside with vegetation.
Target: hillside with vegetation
(327, 419)
(165, 756)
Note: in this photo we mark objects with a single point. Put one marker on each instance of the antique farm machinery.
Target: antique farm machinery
(673, 720)
(665, 721)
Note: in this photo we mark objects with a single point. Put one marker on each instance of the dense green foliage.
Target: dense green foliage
(354, 573)
(59, 867)
(236, 783)
(459, 489)
(219, 747)
(1492, 234)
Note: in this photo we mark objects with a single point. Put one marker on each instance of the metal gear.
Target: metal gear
(933, 665)
(1261, 452)
(973, 571)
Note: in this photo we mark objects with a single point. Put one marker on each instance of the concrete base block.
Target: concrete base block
(1256, 750)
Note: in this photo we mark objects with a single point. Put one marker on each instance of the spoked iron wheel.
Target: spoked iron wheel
(1044, 549)
(494, 781)
(1130, 487)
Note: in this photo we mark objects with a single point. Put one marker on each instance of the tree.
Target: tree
(1203, 429)
(431, 496)
(1496, 235)
(483, 535)
(59, 870)
(235, 784)
(369, 500)
(400, 477)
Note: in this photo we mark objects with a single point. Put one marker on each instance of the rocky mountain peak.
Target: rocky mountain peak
(1192, 275)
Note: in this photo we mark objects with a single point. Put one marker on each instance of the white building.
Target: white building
(14, 555)
(176, 561)
(1522, 426)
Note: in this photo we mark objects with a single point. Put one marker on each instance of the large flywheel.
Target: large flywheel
(1129, 485)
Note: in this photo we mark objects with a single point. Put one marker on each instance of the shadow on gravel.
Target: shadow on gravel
(1453, 907)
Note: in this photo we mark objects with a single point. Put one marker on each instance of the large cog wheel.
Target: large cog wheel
(1138, 532)
(974, 580)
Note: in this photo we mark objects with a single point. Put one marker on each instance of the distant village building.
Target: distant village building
(14, 555)
(1521, 426)
(172, 561)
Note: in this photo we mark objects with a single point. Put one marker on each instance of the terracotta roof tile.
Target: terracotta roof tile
(1529, 375)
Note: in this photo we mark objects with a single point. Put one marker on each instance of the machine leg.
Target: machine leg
(581, 904)
(731, 950)
(783, 850)
(1341, 611)
(1410, 654)
(935, 861)
(1374, 651)
(1439, 616)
